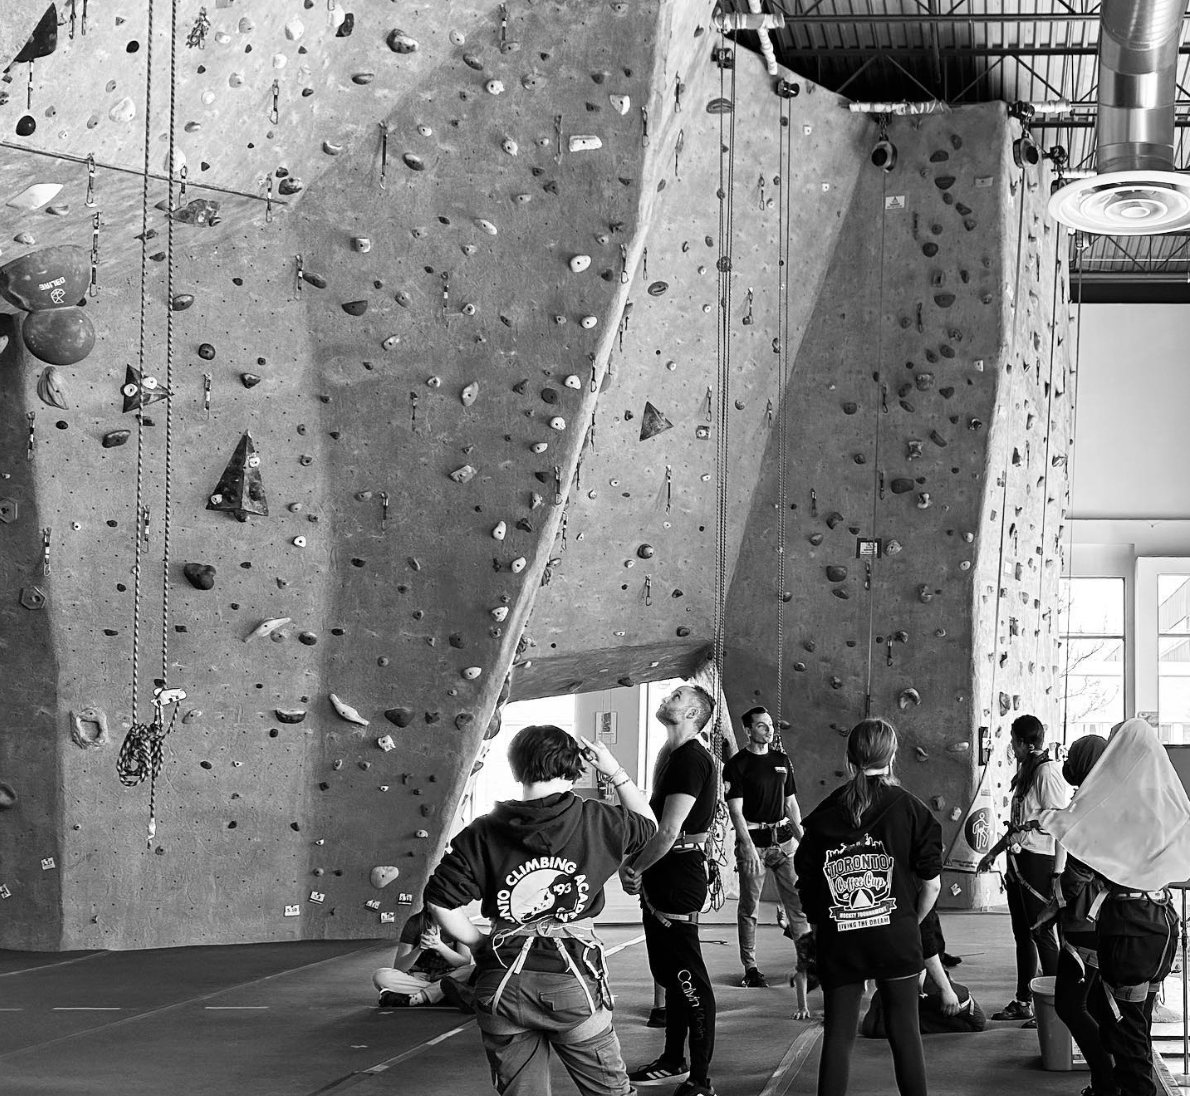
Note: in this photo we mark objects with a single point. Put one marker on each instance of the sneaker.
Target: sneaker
(656, 1017)
(390, 999)
(660, 1071)
(753, 979)
(1015, 1010)
(695, 1088)
(949, 960)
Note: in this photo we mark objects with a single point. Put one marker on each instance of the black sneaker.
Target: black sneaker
(659, 1072)
(391, 999)
(753, 979)
(656, 1017)
(1015, 1010)
(695, 1088)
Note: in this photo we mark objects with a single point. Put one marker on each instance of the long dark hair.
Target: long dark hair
(870, 745)
(1031, 731)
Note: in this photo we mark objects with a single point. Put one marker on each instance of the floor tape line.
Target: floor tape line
(54, 966)
(181, 1004)
(795, 1057)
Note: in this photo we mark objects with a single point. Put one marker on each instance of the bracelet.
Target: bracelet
(620, 783)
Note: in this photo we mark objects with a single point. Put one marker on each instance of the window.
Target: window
(1173, 657)
(1091, 670)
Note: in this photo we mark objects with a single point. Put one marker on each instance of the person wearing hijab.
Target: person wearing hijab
(1037, 786)
(1076, 887)
(868, 871)
(1130, 823)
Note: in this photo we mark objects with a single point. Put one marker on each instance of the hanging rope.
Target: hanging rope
(1079, 247)
(141, 753)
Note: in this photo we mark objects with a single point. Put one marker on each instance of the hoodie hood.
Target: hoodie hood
(540, 826)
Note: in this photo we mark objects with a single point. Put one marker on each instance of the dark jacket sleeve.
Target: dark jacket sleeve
(811, 887)
(927, 842)
(456, 881)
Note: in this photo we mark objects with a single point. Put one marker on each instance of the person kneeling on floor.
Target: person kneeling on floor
(429, 967)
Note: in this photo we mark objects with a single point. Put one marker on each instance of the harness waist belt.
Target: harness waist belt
(1135, 896)
(781, 824)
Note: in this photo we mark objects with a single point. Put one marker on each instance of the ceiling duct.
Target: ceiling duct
(1135, 191)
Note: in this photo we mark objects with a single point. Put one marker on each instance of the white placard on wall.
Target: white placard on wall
(607, 728)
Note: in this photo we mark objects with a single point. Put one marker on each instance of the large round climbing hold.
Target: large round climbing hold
(200, 575)
(54, 277)
(645, 551)
(206, 351)
(60, 336)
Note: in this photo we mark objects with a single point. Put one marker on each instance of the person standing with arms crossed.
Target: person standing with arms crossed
(670, 875)
(762, 801)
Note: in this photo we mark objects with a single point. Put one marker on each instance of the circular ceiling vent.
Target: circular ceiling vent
(1125, 203)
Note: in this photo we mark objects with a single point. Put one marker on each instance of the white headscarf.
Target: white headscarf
(1130, 819)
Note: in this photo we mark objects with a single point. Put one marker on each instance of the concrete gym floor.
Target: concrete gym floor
(299, 1019)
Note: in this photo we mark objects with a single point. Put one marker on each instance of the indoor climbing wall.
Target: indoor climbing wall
(926, 432)
(376, 319)
(648, 474)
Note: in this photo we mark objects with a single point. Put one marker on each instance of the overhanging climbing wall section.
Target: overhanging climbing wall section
(927, 410)
(385, 369)
(638, 551)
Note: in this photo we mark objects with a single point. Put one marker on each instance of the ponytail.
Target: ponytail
(871, 746)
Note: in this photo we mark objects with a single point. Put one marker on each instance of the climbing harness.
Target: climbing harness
(141, 754)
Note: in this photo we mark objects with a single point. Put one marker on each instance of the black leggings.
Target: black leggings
(1073, 986)
(675, 960)
(899, 997)
(1032, 945)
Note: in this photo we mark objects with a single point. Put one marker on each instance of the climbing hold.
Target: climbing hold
(538, 447)
(944, 300)
(901, 485)
(469, 394)
(921, 753)
(573, 381)
(907, 697)
(836, 572)
(656, 289)
(88, 728)
(923, 500)
(510, 146)
(494, 87)
(584, 142)
(815, 539)
(382, 875)
(299, 542)
(499, 613)
(413, 162)
(206, 351)
(115, 438)
(937, 439)
(579, 263)
(181, 301)
(913, 449)
(500, 531)
(518, 565)
(355, 308)
(938, 802)
(645, 551)
(472, 672)
(346, 711)
(486, 226)
(588, 322)
(463, 475)
(399, 42)
(53, 277)
(240, 490)
(892, 547)
(558, 423)
(362, 244)
(402, 717)
(200, 575)
(140, 390)
(363, 78)
(924, 594)
(621, 104)
(289, 715)
(652, 422)
(834, 519)
(267, 628)
(386, 743)
(51, 388)
(958, 747)
(60, 336)
(249, 380)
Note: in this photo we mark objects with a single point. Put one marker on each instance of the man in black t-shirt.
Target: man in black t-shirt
(670, 875)
(762, 801)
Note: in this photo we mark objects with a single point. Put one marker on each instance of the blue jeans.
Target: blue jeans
(538, 1011)
(779, 860)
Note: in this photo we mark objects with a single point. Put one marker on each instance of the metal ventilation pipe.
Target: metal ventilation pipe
(1135, 190)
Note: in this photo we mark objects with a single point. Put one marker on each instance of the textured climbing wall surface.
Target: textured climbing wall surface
(415, 310)
(639, 552)
(927, 409)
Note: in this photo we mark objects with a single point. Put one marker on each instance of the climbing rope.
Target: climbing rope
(141, 753)
(881, 407)
(1079, 247)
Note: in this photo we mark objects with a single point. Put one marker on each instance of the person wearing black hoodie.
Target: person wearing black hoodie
(868, 869)
(537, 868)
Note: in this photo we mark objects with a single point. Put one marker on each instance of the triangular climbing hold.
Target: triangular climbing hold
(240, 490)
(652, 422)
(44, 39)
(140, 391)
